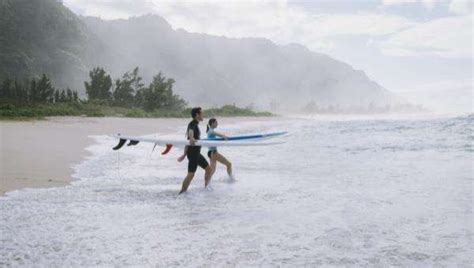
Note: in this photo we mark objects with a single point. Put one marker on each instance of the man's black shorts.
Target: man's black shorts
(195, 158)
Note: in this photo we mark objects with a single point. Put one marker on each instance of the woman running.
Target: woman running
(214, 156)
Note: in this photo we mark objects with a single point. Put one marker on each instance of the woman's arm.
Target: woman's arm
(221, 135)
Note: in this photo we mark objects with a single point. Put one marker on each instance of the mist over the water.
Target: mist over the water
(447, 98)
(212, 70)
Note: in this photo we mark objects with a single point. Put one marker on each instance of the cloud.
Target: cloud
(277, 21)
(111, 9)
(449, 37)
(430, 4)
(454, 6)
(461, 6)
(284, 23)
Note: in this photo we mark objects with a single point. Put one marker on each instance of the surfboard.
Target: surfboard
(251, 136)
(237, 141)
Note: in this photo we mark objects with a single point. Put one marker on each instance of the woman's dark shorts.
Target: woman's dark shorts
(209, 153)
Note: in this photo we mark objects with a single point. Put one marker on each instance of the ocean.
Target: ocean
(350, 192)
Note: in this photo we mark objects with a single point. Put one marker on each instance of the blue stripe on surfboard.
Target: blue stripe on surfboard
(249, 137)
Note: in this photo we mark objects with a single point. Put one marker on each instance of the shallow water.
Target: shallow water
(346, 192)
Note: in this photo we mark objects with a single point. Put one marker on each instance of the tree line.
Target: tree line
(128, 91)
(34, 91)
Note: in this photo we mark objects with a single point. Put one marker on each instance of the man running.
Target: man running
(194, 152)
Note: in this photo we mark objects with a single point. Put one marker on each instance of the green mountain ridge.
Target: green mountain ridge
(43, 36)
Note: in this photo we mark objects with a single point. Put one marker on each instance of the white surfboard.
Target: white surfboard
(134, 140)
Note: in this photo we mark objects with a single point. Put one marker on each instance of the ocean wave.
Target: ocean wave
(352, 193)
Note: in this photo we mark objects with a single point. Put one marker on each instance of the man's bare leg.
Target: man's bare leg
(207, 175)
(186, 182)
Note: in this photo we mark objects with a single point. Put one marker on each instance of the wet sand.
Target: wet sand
(41, 153)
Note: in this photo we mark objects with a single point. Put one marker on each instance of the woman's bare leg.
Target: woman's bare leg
(221, 159)
(213, 163)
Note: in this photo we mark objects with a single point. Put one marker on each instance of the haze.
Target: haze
(421, 50)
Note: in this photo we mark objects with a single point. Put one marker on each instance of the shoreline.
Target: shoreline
(42, 153)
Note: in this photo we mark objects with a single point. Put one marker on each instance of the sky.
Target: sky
(419, 49)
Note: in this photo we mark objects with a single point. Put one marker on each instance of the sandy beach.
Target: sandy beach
(41, 153)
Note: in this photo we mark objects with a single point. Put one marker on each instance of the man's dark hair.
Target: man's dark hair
(195, 111)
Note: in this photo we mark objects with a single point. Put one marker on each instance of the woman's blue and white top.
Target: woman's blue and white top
(211, 135)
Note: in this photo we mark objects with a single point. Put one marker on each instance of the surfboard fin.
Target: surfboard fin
(167, 149)
(132, 142)
(120, 144)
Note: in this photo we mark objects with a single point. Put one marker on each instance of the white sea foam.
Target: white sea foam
(359, 192)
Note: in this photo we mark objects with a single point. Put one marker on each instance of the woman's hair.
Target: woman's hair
(210, 123)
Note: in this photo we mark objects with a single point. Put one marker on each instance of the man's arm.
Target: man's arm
(192, 141)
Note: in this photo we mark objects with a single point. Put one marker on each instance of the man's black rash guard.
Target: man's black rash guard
(194, 152)
(194, 126)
